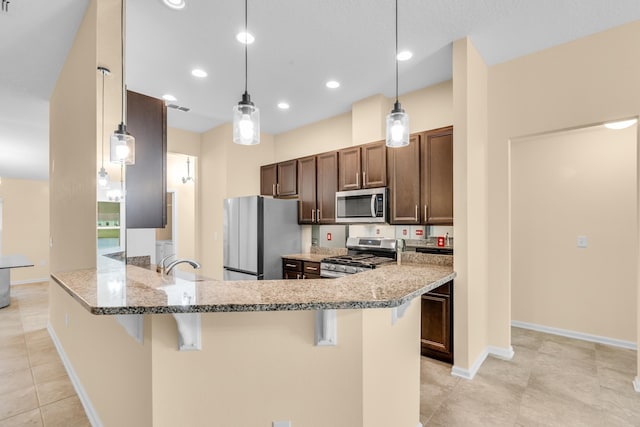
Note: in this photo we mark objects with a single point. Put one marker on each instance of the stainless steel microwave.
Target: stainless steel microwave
(361, 206)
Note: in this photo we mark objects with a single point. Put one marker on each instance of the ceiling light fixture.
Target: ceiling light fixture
(332, 84)
(197, 72)
(122, 143)
(169, 97)
(404, 55)
(187, 178)
(283, 105)
(397, 119)
(175, 4)
(623, 124)
(245, 38)
(103, 176)
(246, 116)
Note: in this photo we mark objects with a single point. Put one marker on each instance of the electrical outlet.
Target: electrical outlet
(281, 424)
(582, 241)
(66, 320)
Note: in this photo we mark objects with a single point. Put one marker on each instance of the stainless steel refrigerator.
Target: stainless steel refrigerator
(257, 232)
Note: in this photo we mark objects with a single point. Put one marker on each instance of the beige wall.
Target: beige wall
(564, 185)
(588, 81)
(184, 204)
(25, 226)
(470, 204)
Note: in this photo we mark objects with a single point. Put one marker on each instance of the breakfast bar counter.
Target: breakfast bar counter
(151, 350)
(137, 290)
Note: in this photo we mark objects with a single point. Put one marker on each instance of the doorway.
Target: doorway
(573, 230)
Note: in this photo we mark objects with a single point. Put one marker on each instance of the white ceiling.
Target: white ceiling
(299, 46)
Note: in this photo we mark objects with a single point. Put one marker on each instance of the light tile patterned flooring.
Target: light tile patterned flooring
(34, 387)
(551, 381)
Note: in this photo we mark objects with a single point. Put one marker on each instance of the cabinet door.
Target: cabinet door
(287, 179)
(268, 179)
(146, 180)
(374, 165)
(404, 182)
(327, 185)
(437, 177)
(349, 169)
(307, 208)
(436, 326)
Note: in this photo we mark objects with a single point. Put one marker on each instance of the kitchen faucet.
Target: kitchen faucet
(161, 266)
(170, 267)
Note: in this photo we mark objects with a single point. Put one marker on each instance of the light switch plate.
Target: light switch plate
(582, 241)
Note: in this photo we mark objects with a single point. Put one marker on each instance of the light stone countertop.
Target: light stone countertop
(306, 257)
(115, 289)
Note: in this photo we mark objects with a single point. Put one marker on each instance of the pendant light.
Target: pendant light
(397, 119)
(187, 178)
(246, 116)
(122, 143)
(103, 176)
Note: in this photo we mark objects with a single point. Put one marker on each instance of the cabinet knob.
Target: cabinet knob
(364, 179)
(425, 213)
(416, 213)
(357, 179)
(277, 188)
(273, 191)
(313, 215)
(317, 215)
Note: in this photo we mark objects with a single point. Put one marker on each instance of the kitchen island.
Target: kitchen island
(342, 352)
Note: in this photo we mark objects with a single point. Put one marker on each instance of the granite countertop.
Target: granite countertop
(306, 257)
(119, 289)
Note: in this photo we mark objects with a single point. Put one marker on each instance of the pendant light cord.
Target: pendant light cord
(123, 54)
(246, 43)
(396, 51)
(102, 136)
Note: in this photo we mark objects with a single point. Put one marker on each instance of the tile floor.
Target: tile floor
(551, 381)
(34, 387)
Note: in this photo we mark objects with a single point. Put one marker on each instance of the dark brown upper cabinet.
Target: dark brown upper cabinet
(146, 180)
(279, 179)
(363, 166)
(404, 182)
(437, 177)
(317, 185)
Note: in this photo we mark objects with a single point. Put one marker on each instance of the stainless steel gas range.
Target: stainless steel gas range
(364, 253)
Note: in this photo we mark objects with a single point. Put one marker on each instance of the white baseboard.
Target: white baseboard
(26, 282)
(636, 384)
(576, 335)
(468, 374)
(82, 394)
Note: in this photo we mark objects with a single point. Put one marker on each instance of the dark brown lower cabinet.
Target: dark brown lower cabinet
(297, 269)
(437, 323)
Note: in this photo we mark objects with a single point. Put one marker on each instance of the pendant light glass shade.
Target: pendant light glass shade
(246, 116)
(246, 122)
(397, 119)
(397, 127)
(123, 145)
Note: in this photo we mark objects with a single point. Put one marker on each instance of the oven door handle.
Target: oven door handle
(373, 205)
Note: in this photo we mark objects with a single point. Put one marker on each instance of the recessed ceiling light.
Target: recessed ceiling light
(332, 84)
(404, 55)
(245, 38)
(175, 4)
(197, 72)
(283, 105)
(169, 97)
(621, 124)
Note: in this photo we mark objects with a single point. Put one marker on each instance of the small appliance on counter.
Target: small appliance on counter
(364, 253)
(257, 232)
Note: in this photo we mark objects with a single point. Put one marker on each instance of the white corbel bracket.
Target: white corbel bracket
(398, 312)
(326, 328)
(133, 324)
(189, 331)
